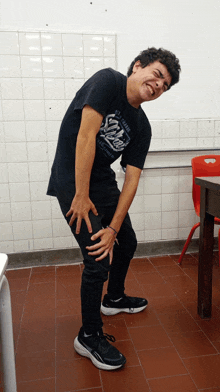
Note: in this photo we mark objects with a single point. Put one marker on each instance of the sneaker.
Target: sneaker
(124, 304)
(97, 348)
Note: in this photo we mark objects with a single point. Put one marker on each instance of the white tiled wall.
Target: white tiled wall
(40, 73)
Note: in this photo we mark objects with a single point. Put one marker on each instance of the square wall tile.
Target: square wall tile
(41, 210)
(152, 203)
(54, 88)
(19, 192)
(4, 194)
(22, 230)
(11, 88)
(7, 246)
(36, 131)
(188, 129)
(73, 67)
(14, 131)
(63, 242)
(170, 184)
(21, 246)
(137, 221)
(43, 243)
(37, 152)
(109, 62)
(153, 186)
(170, 220)
(170, 202)
(51, 44)
(38, 171)
(153, 220)
(153, 235)
(21, 211)
(18, 172)
(5, 212)
(10, 66)
(205, 142)
(38, 190)
(206, 128)
(42, 229)
(3, 156)
(9, 42)
(30, 44)
(6, 233)
(51, 151)
(13, 110)
(170, 234)
(54, 109)
(72, 86)
(33, 88)
(185, 183)
(187, 218)
(92, 65)
(34, 109)
(72, 45)
(137, 205)
(109, 45)
(170, 129)
(60, 228)
(53, 128)
(3, 173)
(16, 152)
(53, 67)
(56, 211)
(93, 45)
(31, 66)
(185, 202)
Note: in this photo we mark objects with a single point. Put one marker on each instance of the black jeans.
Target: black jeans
(95, 273)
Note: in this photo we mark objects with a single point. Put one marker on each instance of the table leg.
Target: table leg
(205, 259)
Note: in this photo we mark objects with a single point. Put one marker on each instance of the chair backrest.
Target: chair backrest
(203, 166)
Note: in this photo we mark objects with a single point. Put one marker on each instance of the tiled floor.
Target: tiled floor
(167, 346)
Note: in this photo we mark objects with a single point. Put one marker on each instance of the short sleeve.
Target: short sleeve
(136, 151)
(97, 92)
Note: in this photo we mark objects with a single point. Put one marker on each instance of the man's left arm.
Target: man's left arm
(107, 236)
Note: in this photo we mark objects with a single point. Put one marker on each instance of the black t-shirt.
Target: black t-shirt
(125, 131)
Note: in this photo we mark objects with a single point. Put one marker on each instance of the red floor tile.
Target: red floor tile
(47, 385)
(192, 344)
(173, 384)
(35, 366)
(161, 362)
(77, 374)
(162, 260)
(124, 380)
(204, 370)
(149, 337)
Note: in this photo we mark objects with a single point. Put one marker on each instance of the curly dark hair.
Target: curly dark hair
(165, 57)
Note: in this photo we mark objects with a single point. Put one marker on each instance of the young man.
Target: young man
(103, 122)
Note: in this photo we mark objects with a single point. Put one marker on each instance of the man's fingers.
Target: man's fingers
(105, 254)
(94, 210)
(78, 225)
(69, 213)
(97, 235)
(88, 224)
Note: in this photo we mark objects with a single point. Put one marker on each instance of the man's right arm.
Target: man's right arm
(85, 154)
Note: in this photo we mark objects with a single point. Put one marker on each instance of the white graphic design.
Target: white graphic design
(114, 132)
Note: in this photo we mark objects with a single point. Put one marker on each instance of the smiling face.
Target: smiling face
(147, 84)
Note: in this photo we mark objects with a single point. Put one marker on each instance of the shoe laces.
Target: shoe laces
(106, 336)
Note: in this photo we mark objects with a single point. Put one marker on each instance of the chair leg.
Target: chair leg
(188, 241)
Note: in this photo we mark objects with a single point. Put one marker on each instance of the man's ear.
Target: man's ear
(136, 66)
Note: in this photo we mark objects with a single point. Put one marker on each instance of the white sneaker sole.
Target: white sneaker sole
(81, 350)
(112, 311)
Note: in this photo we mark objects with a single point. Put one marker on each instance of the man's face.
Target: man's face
(150, 82)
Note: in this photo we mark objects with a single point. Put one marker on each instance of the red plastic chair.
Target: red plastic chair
(202, 166)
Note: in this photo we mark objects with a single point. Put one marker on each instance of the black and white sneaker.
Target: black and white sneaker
(97, 348)
(125, 304)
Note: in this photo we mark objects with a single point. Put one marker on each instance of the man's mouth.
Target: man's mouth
(150, 89)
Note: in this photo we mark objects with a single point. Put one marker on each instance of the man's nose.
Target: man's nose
(159, 83)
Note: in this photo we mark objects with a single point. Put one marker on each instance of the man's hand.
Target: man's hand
(105, 246)
(79, 210)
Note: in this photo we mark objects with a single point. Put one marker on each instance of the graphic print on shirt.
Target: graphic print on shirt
(113, 135)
